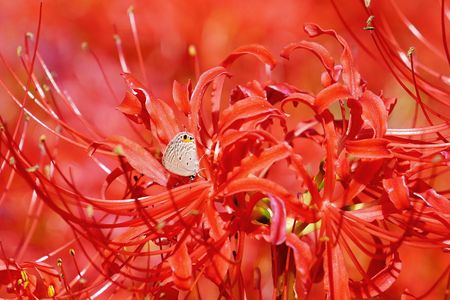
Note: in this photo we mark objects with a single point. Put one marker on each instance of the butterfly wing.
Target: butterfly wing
(181, 157)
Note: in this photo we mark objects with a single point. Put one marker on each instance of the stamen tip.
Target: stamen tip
(369, 25)
(19, 51)
(117, 39)
(324, 238)
(90, 210)
(160, 226)
(84, 46)
(32, 169)
(192, 50)
(411, 51)
(51, 290)
(118, 150)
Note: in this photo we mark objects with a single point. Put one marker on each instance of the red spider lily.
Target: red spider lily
(339, 219)
(374, 156)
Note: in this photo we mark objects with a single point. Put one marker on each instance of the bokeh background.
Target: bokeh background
(166, 30)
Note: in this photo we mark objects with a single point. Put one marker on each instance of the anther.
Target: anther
(19, 51)
(84, 46)
(369, 25)
(32, 169)
(411, 51)
(51, 290)
(118, 150)
(192, 50)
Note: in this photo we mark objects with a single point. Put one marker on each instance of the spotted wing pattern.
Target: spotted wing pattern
(180, 156)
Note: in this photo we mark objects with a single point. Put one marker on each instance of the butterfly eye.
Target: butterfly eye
(184, 137)
(191, 138)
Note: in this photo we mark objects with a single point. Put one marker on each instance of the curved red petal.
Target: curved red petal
(363, 175)
(180, 94)
(374, 112)
(331, 154)
(299, 97)
(163, 117)
(132, 82)
(181, 264)
(351, 77)
(320, 51)
(398, 191)
(139, 158)
(331, 94)
(134, 107)
(181, 195)
(232, 136)
(278, 220)
(276, 92)
(218, 268)
(130, 104)
(418, 130)
(8, 272)
(379, 282)
(368, 148)
(136, 102)
(436, 201)
(298, 165)
(245, 109)
(197, 95)
(254, 184)
(253, 163)
(371, 213)
(303, 257)
(336, 276)
(260, 52)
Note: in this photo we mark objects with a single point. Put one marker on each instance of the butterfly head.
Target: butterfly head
(186, 138)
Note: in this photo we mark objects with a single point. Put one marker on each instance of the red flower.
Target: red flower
(325, 185)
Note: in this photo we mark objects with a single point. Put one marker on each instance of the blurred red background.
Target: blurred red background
(166, 29)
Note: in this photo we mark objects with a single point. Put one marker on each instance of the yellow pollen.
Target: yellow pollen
(24, 275)
(51, 290)
(24, 280)
(192, 50)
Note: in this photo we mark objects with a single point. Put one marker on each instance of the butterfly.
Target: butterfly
(180, 157)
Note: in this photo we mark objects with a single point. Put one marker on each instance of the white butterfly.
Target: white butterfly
(180, 156)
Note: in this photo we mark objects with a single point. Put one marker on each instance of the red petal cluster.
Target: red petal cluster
(336, 221)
